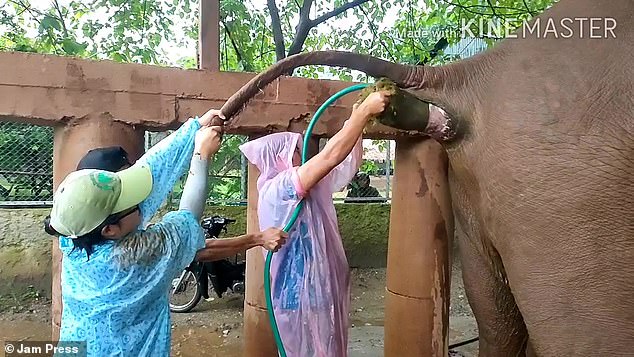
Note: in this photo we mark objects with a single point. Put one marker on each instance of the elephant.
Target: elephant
(541, 171)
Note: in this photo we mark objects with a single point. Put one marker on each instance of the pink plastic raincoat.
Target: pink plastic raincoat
(309, 275)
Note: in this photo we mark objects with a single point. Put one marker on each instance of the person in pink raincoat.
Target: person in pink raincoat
(310, 276)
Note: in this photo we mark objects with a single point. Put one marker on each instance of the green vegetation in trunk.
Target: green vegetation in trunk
(404, 107)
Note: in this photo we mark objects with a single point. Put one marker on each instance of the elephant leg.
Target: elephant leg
(500, 324)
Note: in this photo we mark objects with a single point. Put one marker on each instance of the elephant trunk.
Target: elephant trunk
(443, 86)
(373, 66)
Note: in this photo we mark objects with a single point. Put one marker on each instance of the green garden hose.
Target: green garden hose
(291, 222)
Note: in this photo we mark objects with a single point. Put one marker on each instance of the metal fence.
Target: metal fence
(26, 170)
(227, 173)
(373, 181)
(26, 164)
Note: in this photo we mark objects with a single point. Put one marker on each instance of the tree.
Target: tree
(253, 37)
(122, 31)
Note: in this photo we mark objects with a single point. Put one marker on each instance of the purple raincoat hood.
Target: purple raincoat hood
(272, 154)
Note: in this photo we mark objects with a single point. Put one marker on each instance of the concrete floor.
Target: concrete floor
(215, 328)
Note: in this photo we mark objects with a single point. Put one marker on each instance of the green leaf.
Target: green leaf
(118, 57)
(49, 22)
(72, 48)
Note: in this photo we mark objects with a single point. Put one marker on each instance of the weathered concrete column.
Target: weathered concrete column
(258, 336)
(418, 263)
(71, 143)
(209, 35)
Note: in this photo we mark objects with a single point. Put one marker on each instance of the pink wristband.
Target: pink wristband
(297, 183)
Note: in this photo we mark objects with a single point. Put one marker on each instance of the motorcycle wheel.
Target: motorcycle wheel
(185, 292)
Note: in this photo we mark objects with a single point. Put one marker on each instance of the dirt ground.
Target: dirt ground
(214, 328)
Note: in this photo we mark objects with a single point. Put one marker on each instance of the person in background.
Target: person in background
(117, 270)
(360, 187)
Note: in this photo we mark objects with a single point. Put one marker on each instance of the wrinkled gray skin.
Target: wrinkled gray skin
(541, 177)
(542, 185)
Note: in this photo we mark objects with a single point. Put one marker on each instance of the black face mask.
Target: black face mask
(113, 219)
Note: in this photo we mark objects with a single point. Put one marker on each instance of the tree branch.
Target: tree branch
(527, 8)
(245, 65)
(303, 28)
(337, 11)
(61, 18)
(306, 24)
(304, 12)
(262, 53)
(278, 36)
(298, 41)
(143, 22)
(492, 8)
(375, 34)
(468, 8)
(28, 9)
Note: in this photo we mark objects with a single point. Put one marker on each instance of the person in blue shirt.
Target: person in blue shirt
(115, 158)
(117, 270)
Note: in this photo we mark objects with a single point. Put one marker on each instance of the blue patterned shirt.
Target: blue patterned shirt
(117, 301)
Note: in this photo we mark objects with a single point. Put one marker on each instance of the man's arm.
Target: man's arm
(216, 249)
(195, 191)
(168, 161)
(342, 143)
(343, 173)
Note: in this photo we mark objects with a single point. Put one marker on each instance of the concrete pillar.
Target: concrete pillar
(209, 35)
(71, 143)
(418, 263)
(258, 336)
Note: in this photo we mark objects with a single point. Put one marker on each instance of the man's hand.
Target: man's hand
(374, 104)
(272, 239)
(207, 141)
(212, 117)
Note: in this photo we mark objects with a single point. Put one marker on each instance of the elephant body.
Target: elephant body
(542, 187)
(541, 179)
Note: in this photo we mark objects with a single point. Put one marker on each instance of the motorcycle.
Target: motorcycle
(193, 282)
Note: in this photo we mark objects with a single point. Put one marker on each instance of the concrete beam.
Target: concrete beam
(52, 90)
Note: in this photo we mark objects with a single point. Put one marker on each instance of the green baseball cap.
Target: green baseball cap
(86, 198)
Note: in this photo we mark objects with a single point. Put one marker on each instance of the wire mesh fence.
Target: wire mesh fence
(26, 164)
(26, 170)
(227, 173)
(373, 181)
